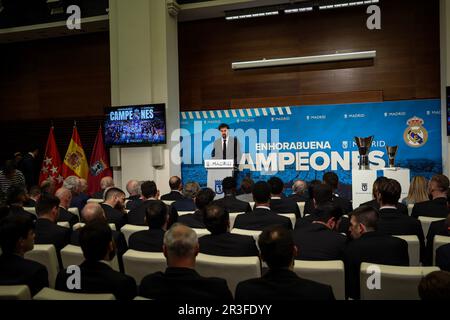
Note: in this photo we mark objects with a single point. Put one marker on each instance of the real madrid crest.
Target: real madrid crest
(415, 135)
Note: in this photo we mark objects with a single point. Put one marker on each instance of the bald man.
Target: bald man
(176, 188)
(105, 183)
(65, 197)
(134, 190)
(180, 281)
(93, 212)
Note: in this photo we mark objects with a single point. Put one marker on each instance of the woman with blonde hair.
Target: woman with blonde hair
(418, 191)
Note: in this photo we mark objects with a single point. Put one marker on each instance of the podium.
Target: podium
(217, 171)
(362, 182)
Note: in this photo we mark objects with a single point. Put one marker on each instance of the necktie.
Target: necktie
(224, 149)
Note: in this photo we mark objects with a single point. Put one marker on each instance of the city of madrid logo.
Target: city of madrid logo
(218, 186)
(415, 135)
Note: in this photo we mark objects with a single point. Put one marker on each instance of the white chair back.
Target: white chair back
(233, 216)
(168, 202)
(201, 232)
(79, 225)
(45, 254)
(291, 216)
(73, 255)
(413, 249)
(74, 211)
(51, 294)
(410, 208)
(232, 269)
(437, 242)
(301, 207)
(183, 213)
(252, 205)
(129, 229)
(396, 283)
(64, 224)
(95, 201)
(138, 264)
(30, 210)
(327, 272)
(426, 222)
(253, 233)
(21, 292)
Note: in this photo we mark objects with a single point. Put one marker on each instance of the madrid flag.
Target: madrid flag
(51, 166)
(99, 164)
(75, 162)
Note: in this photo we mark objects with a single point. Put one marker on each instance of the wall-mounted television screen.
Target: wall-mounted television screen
(135, 125)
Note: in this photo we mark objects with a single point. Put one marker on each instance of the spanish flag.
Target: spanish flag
(75, 162)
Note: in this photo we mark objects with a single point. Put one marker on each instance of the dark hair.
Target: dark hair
(156, 214)
(261, 192)
(367, 216)
(322, 193)
(277, 247)
(204, 197)
(311, 186)
(46, 203)
(35, 191)
(10, 166)
(95, 237)
(441, 182)
(390, 191)
(276, 185)
(224, 125)
(331, 179)
(111, 192)
(174, 183)
(327, 211)
(435, 286)
(12, 229)
(376, 183)
(216, 219)
(247, 185)
(149, 189)
(229, 184)
(14, 193)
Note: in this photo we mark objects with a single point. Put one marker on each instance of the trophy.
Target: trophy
(364, 145)
(392, 152)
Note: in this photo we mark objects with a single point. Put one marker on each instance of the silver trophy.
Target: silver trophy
(392, 152)
(364, 145)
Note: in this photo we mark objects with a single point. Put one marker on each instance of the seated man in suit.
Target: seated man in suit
(322, 195)
(47, 231)
(15, 200)
(245, 192)
(221, 242)
(65, 198)
(195, 220)
(94, 212)
(374, 203)
(319, 240)
(309, 204)
(80, 199)
(187, 203)
(114, 207)
(151, 240)
(17, 238)
(369, 246)
(435, 286)
(441, 228)
(180, 281)
(391, 221)
(176, 188)
(150, 193)
(277, 202)
(280, 283)
(33, 196)
(73, 184)
(299, 191)
(229, 201)
(437, 207)
(331, 179)
(262, 216)
(443, 257)
(134, 190)
(105, 183)
(96, 274)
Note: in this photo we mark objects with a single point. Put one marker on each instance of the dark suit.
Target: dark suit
(65, 215)
(193, 220)
(228, 245)
(231, 204)
(284, 206)
(183, 284)
(15, 270)
(372, 247)
(114, 216)
(282, 285)
(374, 204)
(315, 241)
(30, 203)
(98, 194)
(172, 196)
(261, 218)
(147, 240)
(48, 232)
(184, 205)
(436, 228)
(443, 257)
(19, 211)
(436, 208)
(98, 277)
(138, 214)
(342, 203)
(79, 201)
(298, 198)
(133, 202)
(29, 170)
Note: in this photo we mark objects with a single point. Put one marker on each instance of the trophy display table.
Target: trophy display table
(362, 182)
(217, 171)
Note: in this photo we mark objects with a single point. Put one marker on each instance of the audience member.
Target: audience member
(299, 191)
(105, 183)
(114, 207)
(229, 201)
(150, 193)
(33, 197)
(437, 207)
(278, 203)
(435, 286)
(189, 192)
(65, 198)
(15, 200)
(195, 220)
(176, 188)
(332, 179)
(418, 191)
(134, 191)
(11, 177)
(246, 189)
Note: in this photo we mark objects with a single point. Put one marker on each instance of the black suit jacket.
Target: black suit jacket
(183, 284)
(98, 277)
(342, 203)
(436, 228)
(15, 270)
(48, 232)
(261, 218)
(298, 198)
(137, 215)
(436, 208)
(147, 240)
(79, 201)
(285, 205)
(228, 245)
(18, 211)
(29, 170)
(443, 257)
(372, 247)
(184, 205)
(316, 242)
(114, 216)
(134, 202)
(98, 194)
(282, 285)
(30, 203)
(231, 204)
(193, 220)
(65, 215)
(374, 204)
(172, 196)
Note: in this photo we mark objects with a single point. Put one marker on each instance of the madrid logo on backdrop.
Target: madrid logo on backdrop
(415, 135)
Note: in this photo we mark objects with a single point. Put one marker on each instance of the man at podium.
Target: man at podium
(227, 147)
